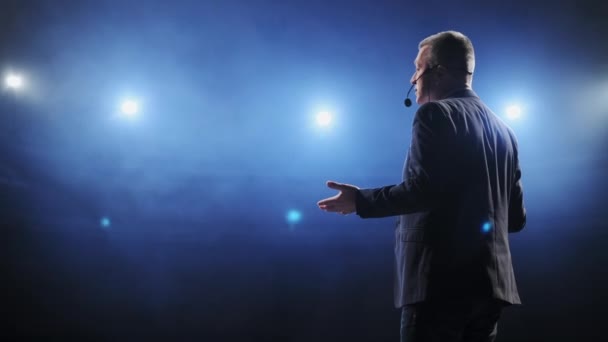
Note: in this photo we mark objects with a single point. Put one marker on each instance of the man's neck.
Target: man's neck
(448, 91)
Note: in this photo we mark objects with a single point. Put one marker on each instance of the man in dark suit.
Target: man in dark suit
(460, 197)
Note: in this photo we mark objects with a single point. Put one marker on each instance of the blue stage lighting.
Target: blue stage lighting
(513, 112)
(293, 216)
(104, 222)
(486, 227)
(13, 81)
(324, 119)
(129, 107)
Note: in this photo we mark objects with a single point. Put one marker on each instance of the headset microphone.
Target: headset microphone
(408, 102)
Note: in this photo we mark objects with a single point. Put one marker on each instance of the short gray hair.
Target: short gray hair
(451, 49)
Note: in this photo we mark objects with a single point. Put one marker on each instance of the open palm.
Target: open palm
(344, 202)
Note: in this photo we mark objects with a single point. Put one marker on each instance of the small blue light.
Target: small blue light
(486, 227)
(293, 216)
(104, 222)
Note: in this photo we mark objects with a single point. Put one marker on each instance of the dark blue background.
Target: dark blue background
(198, 186)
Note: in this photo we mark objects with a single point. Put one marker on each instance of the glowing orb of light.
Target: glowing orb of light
(513, 112)
(293, 216)
(13, 81)
(129, 107)
(324, 119)
(104, 222)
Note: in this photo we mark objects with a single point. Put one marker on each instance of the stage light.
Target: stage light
(324, 119)
(104, 222)
(129, 107)
(293, 216)
(13, 81)
(486, 227)
(513, 112)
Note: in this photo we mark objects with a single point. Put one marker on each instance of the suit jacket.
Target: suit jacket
(460, 197)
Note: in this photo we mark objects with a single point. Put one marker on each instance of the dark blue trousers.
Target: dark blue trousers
(463, 320)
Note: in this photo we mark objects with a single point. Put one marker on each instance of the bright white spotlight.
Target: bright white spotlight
(13, 81)
(513, 112)
(129, 107)
(324, 119)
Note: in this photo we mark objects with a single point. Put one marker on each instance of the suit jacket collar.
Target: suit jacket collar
(461, 92)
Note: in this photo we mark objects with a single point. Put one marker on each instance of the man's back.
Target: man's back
(457, 245)
(460, 197)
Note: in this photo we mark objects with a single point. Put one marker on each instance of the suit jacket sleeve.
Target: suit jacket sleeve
(424, 171)
(517, 210)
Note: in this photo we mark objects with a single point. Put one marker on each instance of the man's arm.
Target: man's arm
(425, 176)
(517, 210)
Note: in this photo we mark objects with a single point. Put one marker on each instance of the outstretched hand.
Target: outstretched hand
(344, 202)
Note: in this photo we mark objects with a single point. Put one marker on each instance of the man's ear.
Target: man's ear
(441, 72)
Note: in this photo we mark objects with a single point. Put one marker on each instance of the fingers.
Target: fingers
(341, 186)
(335, 185)
(329, 207)
(335, 207)
(327, 201)
(326, 204)
(342, 203)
